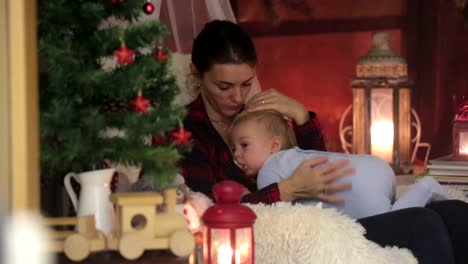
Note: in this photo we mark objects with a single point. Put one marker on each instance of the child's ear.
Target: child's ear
(276, 144)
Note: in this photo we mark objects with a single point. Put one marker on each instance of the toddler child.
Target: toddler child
(263, 145)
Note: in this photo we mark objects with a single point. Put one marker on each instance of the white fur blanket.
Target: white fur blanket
(306, 234)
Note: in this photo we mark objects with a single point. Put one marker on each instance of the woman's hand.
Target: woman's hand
(272, 99)
(315, 179)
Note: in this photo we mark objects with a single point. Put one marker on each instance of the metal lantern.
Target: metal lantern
(460, 133)
(228, 236)
(382, 105)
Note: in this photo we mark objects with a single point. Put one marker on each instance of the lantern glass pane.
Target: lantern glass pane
(221, 249)
(243, 253)
(206, 240)
(382, 123)
(463, 143)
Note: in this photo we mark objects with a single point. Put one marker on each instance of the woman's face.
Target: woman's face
(226, 86)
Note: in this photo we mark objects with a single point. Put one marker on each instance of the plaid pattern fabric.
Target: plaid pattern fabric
(211, 161)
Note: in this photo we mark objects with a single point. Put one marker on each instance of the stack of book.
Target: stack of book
(448, 171)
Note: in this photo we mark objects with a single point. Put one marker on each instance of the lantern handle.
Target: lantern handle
(417, 138)
(346, 132)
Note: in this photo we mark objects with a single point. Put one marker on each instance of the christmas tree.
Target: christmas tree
(105, 89)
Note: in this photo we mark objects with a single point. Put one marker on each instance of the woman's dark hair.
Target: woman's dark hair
(222, 42)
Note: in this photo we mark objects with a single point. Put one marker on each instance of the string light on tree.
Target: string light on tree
(148, 7)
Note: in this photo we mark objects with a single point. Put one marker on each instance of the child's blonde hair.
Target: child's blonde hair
(272, 121)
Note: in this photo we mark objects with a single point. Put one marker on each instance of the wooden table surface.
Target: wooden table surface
(111, 257)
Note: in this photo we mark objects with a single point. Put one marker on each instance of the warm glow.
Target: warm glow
(240, 256)
(192, 258)
(224, 254)
(463, 143)
(382, 139)
(464, 149)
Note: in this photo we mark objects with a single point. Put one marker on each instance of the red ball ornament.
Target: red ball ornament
(140, 104)
(181, 137)
(161, 56)
(124, 55)
(148, 8)
(157, 140)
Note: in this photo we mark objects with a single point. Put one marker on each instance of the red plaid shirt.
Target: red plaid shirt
(211, 161)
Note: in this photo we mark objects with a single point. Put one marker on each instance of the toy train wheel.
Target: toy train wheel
(130, 246)
(77, 247)
(181, 243)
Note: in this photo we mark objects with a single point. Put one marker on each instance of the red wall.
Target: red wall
(254, 10)
(316, 70)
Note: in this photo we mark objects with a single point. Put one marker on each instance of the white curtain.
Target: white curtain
(185, 19)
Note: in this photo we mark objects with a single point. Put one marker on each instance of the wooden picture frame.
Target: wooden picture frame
(19, 111)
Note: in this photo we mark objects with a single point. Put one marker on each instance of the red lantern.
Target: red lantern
(228, 236)
(460, 133)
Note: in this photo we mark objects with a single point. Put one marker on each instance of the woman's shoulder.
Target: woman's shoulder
(196, 114)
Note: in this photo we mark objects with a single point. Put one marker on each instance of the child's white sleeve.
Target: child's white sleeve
(267, 176)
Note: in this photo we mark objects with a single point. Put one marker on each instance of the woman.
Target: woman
(223, 62)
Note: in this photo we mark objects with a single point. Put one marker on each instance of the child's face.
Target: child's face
(250, 146)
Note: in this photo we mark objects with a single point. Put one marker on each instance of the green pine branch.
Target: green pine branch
(75, 38)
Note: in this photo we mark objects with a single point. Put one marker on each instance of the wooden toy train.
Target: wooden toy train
(139, 226)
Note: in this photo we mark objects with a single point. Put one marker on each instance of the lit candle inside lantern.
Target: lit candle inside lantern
(463, 143)
(382, 139)
(237, 256)
(464, 149)
(224, 254)
(242, 253)
(228, 225)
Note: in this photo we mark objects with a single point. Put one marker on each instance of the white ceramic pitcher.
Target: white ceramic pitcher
(94, 197)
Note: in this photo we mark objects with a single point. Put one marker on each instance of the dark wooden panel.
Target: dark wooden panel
(411, 43)
(322, 26)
